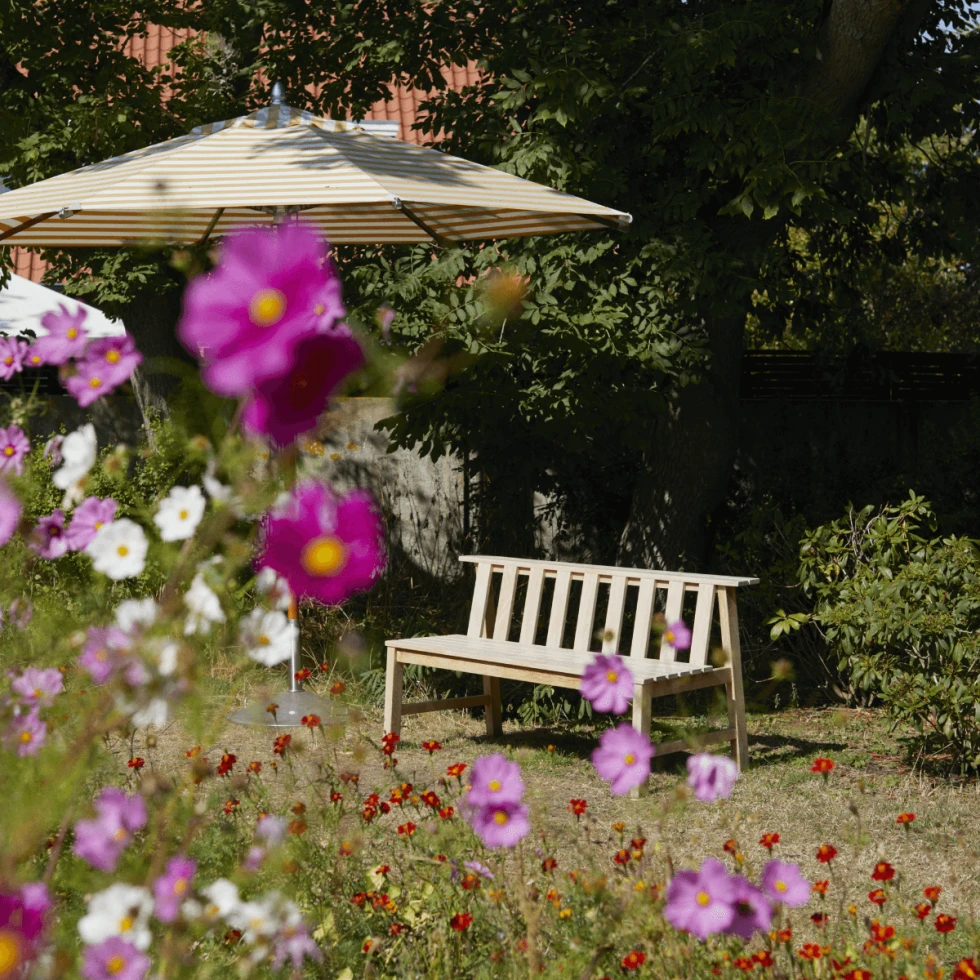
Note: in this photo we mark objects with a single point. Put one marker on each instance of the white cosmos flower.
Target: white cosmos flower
(204, 605)
(274, 587)
(180, 512)
(78, 450)
(222, 896)
(258, 919)
(155, 712)
(268, 636)
(132, 613)
(118, 549)
(120, 910)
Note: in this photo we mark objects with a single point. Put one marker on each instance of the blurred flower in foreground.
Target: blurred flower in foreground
(66, 336)
(326, 546)
(90, 515)
(21, 925)
(10, 511)
(120, 910)
(118, 550)
(180, 512)
(14, 446)
(77, 453)
(622, 758)
(701, 902)
(712, 777)
(783, 883)
(12, 353)
(102, 840)
(114, 959)
(607, 684)
(268, 636)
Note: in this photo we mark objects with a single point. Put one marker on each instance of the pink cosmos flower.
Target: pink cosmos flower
(10, 512)
(21, 612)
(22, 924)
(38, 687)
(114, 959)
(500, 824)
(27, 733)
(622, 758)
(52, 451)
(711, 776)
(494, 780)
(170, 889)
(91, 514)
(293, 942)
(117, 358)
(12, 353)
(32, 358)
(245, 318)
(102, 654)
(607, 684)
(783, 883)
(326, 546)
(48, 537)
(702, 902)
(753, 913)
(286, 407)
(14, 446)
(66, 337)
(102, 840)
(678, 635)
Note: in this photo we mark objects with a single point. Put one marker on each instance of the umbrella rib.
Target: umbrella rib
(211, 226)
(30, 223)
(431, 232)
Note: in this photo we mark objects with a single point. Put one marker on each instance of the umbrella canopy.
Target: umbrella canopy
(23, 303)
(354, 185)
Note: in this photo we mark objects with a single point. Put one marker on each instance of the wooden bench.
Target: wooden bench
(537, 621)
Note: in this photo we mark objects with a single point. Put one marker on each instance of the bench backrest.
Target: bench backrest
(630, 595)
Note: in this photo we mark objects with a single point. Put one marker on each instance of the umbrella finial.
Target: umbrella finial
(278, 94)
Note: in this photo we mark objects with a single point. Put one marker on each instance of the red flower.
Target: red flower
(932, 892)
(922, 910)
(461, 921)
(785, 935)
(359, 899)
(311, 721)
(272, 708)
(549, 864)
(430, 799)
(966, 970)
(578, 807)
(877, 896)
(227, 763)
(407, 829)
(822, 765)
(297, 827)
(456, 769)
(281, 743)
(388, 743)
(346, 848)
(769, 840)
(441, 858)
(826, 853)
(446, 812)
(730, 846)
(883, 871)
(857, 974)
(431, 746)
(634, 960)
(819, 918)
(137, 762)
(191, 753)
(820, 887)
(335, 797)
(382, 869)
(764, 958)
(231, 806)
(880, 933)
(338, 687)
(369, 813)
(621, 857)
(811, 951)
(255, 767)
(743, 963)
(905, 818)
(945, 923)
(298, 808)
(396, 928)
(470, 881)
(324, 667)
(304, 674)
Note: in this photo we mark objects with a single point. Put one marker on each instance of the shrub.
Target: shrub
(901, 610)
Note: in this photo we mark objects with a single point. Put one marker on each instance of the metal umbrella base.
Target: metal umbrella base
(292, 706)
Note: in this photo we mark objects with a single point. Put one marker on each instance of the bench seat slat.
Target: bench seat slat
(558, 660)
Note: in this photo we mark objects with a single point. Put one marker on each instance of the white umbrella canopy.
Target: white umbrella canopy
(23, 303)
(354, 185)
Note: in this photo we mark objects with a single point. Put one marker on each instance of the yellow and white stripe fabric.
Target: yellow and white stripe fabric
(355, 186)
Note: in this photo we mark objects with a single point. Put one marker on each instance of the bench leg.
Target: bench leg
(393, 694)
(736, 720)
(642, 705)
(728, 620)
(491, 689)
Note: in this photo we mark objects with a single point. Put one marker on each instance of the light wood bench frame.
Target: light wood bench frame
(486, 650)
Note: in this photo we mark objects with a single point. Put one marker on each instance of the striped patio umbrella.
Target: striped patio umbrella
(354, 185)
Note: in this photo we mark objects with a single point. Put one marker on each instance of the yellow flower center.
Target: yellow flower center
(670, 636)
(500, 818)
(780, 886)
(10, 948)
(37, 692)
(113, 356)
(612, 676)
(26, 737)
(184, 515)
(319, 309)
(267, 307)
(95, 383)
(126, 924)
(35, 359)
(115, 965)
(71, 333)
(494, 785)
(120, 834)
(180, 886)
(8, 450)
(629, 758)
(122, 551)
(702, 898)
(324, 556)
(8, 361)
(98, 524)
(264, 641)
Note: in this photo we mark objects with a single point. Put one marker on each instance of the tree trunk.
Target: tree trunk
(688, 463)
